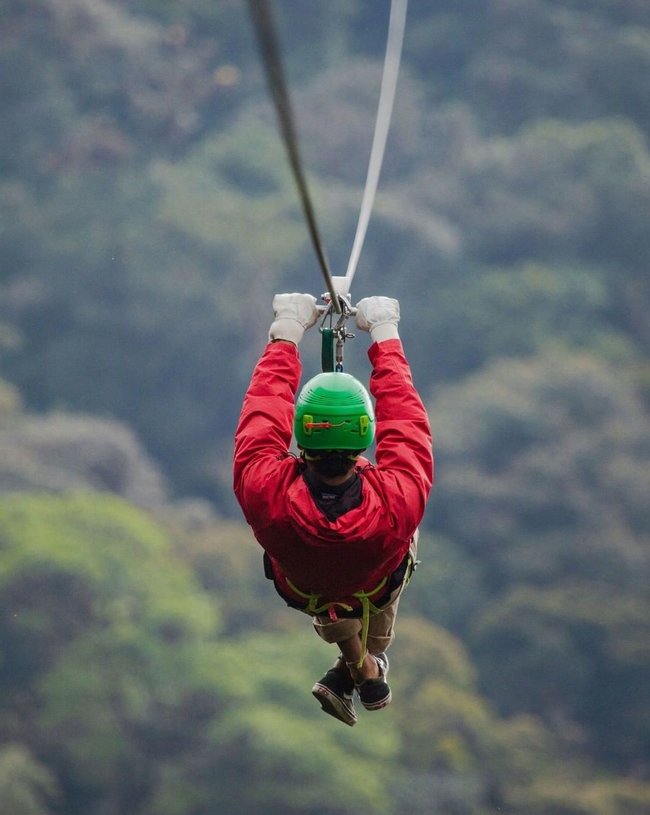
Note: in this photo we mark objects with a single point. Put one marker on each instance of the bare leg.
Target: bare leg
(351, 650)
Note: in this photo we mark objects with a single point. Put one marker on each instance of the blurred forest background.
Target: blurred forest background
(147, 218)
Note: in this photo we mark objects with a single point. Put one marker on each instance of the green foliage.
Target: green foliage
(545, 481)
(300, 755)
(557, 447)
(578, 651)
(147, 216)
(255, 195)
(58, 580)
(9, 401)
(97, 625)
(60, 453)
(107, 634)
(598, 798)
(150, 214)
(26, 786)
(227, 561)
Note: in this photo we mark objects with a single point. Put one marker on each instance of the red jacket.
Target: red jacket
(332, 559)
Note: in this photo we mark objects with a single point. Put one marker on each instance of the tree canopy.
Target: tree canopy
(147, 217)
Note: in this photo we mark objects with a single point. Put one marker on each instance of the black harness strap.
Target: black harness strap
(270, 52)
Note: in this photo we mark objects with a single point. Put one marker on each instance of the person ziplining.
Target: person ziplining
(339, 533)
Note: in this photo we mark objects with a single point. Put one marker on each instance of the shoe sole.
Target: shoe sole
(381, 703)
(332, 705)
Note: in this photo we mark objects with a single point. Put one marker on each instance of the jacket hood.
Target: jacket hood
(361, 522)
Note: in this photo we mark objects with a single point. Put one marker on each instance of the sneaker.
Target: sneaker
(375, 693)
(334, 692)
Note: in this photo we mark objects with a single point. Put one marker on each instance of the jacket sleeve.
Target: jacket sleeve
(263, 436)
(404, 454)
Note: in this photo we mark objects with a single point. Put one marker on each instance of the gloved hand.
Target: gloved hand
(379, 316)
(293, 314)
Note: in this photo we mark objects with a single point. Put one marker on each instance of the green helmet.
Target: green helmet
(334, 412)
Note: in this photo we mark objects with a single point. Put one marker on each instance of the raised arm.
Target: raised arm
(263, 434)
(404, 454)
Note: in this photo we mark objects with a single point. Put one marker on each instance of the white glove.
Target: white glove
(293, 314)
(379, 316)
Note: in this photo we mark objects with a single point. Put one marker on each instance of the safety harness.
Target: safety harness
(400, 577)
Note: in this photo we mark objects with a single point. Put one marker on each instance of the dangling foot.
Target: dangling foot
(335, 694)
(375, 693)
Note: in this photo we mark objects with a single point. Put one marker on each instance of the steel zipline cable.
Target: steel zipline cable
(268, 43)
(270, 51)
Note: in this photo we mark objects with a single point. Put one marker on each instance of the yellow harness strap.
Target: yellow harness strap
(367, 608)
(312, 600)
